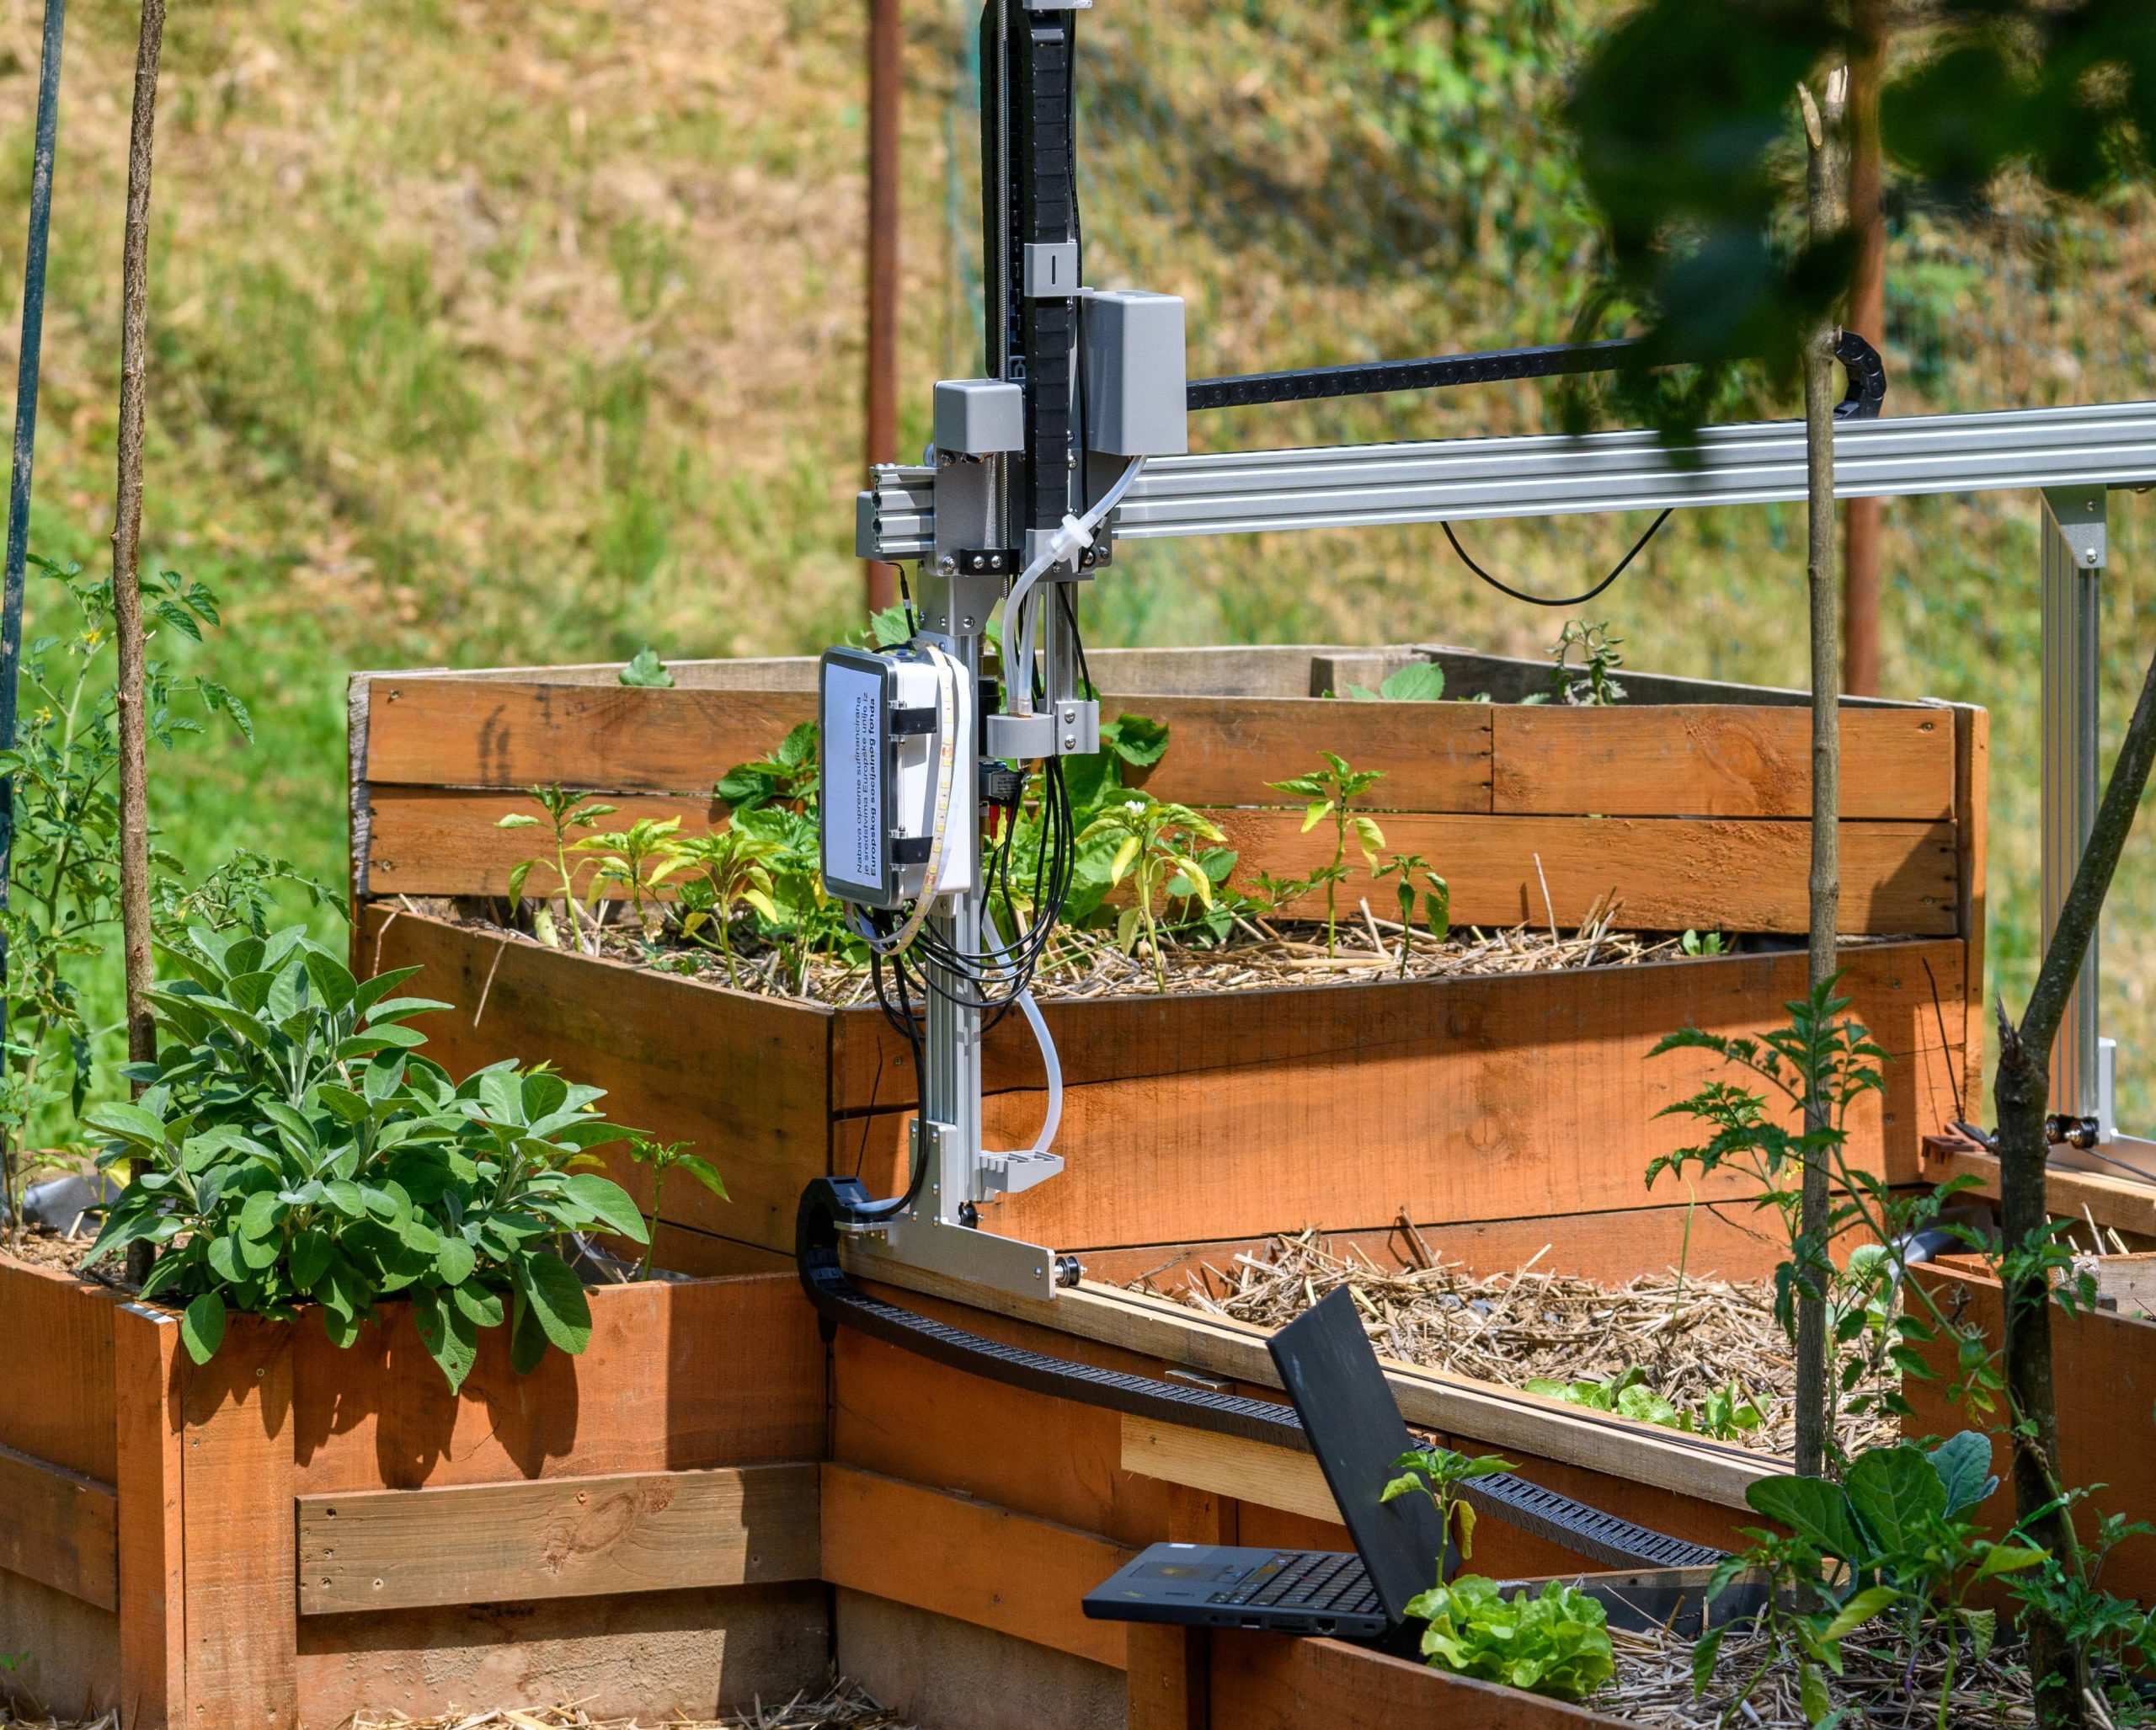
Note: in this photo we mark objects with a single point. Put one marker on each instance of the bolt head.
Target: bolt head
(948, 566)
(2091, 556)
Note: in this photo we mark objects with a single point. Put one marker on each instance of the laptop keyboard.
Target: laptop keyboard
(1305, 1580)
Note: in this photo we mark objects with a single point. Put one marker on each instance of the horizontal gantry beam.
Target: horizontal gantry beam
(1458, 480)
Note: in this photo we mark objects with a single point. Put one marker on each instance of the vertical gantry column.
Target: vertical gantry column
(2074, 554)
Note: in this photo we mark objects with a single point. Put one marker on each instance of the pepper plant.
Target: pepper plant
(290, 1146)
(1331, 791)
(1153, 841)
(566, 813)
(1434, 892)
(728, 868)
(638, 858)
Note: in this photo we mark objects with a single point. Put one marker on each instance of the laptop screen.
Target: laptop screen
(1356, 1431)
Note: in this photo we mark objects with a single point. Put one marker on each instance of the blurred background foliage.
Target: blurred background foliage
(494, 332)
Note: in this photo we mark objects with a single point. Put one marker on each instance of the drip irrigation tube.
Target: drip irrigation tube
(1572, 1524)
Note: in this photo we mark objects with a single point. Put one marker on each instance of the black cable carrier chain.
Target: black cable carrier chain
(1865, 395)
(1571, 1525)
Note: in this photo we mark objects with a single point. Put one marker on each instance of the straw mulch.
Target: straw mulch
(1258, 953)
(1653, 1687)
(1692, 1337)
(843, 1706)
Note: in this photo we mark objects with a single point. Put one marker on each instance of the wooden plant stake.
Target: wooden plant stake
(1823, 133)
(127, 545)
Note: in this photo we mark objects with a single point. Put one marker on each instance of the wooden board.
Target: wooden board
(65, 1651)
(1230, 1466)
(2104, 1368)
(60, 1528)
(1971, 811)
(1715, 761)
(902, 1416)
(56, 1336)
(1262, 1682)
(149, 1370)
(1538, 1100)
(723, 1372)
(236, 1503)
(971, 1559)
(1686, 1480)
(744, 1078)
(2122, 1204)
(1670, 873)
(656, 1657)
(576, 1537)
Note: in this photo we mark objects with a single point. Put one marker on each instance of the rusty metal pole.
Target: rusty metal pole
(1867, 318)
(880, 581)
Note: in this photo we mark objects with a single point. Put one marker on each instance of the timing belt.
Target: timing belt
(1571, 1525)
(1862, 401)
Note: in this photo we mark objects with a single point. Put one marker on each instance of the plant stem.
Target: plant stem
(2022, 1094)
(1823, 184)
(657, 1183)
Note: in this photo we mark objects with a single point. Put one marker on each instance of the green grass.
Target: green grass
(488, 336)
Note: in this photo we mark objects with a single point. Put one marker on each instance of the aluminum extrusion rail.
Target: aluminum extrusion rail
(1460, 480)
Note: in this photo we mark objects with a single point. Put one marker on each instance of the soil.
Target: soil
(1691, 1337)
(41, 1248)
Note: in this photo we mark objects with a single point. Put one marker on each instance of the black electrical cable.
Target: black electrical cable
(1505, 588)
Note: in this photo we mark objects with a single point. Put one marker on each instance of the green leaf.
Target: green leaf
(129, 1122)
(527, 1338)
(1138, 739)
(609, 1203)
(2010, 1559)
(1704, 1654)
(1811, 1694)
(1814, 1509)
(1897, 1495)
(449, 1334)
(555, 1297)
(202, 1327)
(485, 1308)
(455, 1260)
(1983, 1631)
(646, 669)
(1858, 1610)
(261, 1216)
(308, 1259)
(332, 982)
(1421, 682)
(1963, 1463)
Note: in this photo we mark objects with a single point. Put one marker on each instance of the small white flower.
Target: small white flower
(1134, 804)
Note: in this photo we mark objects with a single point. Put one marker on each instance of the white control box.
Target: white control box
(884, 773)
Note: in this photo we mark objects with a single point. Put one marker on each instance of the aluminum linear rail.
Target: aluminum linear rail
(1463, 479)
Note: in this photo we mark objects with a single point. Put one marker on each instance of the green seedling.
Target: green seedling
(639, 858)
(1331, 792)
(1594, 683)
(1438, 1473)
(566, 813)
(661, 1158)
(787, 777)
(729, 868)
(1434, 892)
(1712, 942)
(647, 670)
(1153, 840)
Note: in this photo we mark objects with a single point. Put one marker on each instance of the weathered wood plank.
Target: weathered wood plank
(236, 1493)
(742, 1077)
(2122, 1204)
(1714, 760)
(968, 1559)
(720, 1372)
(1707, 1476)
(65, 1653)
(1230, 1466)
(898, 1414)
(56, 1336)
(59, 1528)
(1504, 1121)
(1671, 873)
(1971, 830)
(2104, 1367)
(440, 733)
(574, 1537)
(149, 1372)
(1262, 1682)
(655, 1657)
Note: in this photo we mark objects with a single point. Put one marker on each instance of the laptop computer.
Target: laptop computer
(1355, 1429)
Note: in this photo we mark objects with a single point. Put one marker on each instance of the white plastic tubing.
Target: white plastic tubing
(1075, 535)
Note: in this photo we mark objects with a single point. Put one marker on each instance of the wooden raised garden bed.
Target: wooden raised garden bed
(1497, 1114)
(292, 1532)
